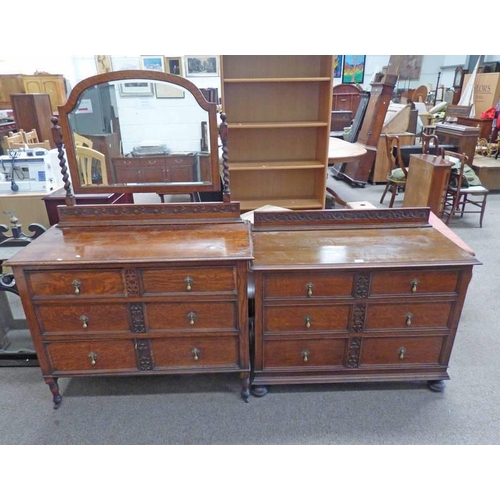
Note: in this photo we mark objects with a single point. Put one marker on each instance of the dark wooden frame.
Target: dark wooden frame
(66, 138)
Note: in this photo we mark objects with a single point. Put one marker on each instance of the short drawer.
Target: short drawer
(413, 282)
(180, 160)
(83, 318)
(154, 161)
(126, 162)
(192, 316)
(76, 283)
(304, 353)
(119, 355)
(406, 315)
(400, 351)
(189, 280)
(306, 318)
(308, 285)
(196, 352)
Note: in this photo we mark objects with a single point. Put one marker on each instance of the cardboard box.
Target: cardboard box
(486, 91)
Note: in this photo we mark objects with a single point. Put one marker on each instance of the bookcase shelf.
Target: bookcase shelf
(278, 113)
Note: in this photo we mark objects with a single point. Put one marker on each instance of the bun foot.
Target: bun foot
(436, 385)
(259, 391)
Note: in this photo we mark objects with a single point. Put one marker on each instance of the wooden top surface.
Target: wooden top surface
(127, 245)
(357, 247)
(340, 150)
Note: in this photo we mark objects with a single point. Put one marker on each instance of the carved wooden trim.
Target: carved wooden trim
(132, 283)
(102, 215)
(354, 351)
(308, 219)
(362, 285)
(144, 356)
(358, 318)
(137, 320)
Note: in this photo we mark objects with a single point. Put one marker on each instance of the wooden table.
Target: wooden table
(340, 151)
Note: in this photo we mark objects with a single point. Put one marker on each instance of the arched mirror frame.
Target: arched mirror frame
(164, 188)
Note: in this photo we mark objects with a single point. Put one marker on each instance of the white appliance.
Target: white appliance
(28, 170)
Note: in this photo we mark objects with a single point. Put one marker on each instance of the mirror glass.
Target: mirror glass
(140, 134)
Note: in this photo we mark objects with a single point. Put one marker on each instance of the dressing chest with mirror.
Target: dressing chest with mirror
(140, 288)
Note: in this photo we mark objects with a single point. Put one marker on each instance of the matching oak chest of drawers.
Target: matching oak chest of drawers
(341, 298)
(165, 300)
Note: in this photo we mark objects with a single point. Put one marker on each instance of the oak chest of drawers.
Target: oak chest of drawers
(350, 295)
(141, 298)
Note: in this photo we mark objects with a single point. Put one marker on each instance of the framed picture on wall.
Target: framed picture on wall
(337, 66)
(136, 89)
(103, 64)
(202, 66)
(410, 68)
(153, 63)
(353, 69)
(173, 65)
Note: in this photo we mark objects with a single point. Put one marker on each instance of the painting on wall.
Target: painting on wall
(153, 63)
(353, 69)
(103, 64)
(337, 66)
(202, 66)
(174, 65)
(410, 68)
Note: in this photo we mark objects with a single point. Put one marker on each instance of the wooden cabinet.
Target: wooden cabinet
(278, 112)
(33, 111)
(346, 97)
(9, 84)
(168, 297)
(485, 127)
(166, 168)
(427, 183)
(462, 136)
(335, 303)
(53, 85)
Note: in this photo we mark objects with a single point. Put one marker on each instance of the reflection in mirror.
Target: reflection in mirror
(141, 132)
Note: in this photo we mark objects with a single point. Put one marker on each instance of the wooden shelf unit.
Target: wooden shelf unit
(278, 112)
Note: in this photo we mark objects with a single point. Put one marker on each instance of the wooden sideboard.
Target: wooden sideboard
(164, 168)
(428, 177)
(163, 291)
(53, 85)
(485, 127)
(335, 303)
(346, 97)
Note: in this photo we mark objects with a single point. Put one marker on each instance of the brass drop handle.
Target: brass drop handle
(409, 317)
(402, 352)
(93, 358)
(191, 317)
(309, 288)
(305, 355)
(77, 284)
(414, 284)
(189, 282)
(196, 354)
(307, 320)
(85, 321)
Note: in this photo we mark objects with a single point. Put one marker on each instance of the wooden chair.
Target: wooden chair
(457, 195)
(89, 161)
(398, 174)
(430, 144)
(81, 140)
(14, 140)
(32, 141)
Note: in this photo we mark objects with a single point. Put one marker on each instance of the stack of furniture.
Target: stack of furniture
(278, 113)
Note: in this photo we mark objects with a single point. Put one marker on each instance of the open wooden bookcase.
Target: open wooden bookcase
(278, 112)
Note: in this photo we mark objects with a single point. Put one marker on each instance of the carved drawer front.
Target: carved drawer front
(400, 351)
(413, 282)
(92, 356)
(304, 353)
(192, 315)
(408, 315)
(306, 318)
(196, 352)
(308, 285)
(76, 283)
(83, 318)
(189, 280)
